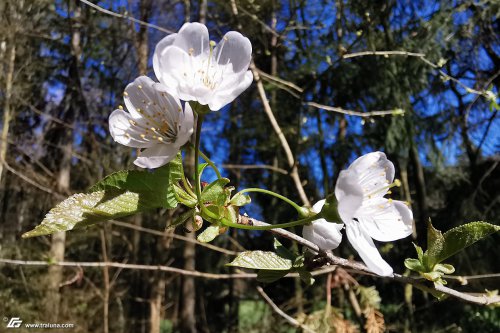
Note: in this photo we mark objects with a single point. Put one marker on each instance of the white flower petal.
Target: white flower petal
(224, 97)
(156, 156)
(158, 54)
(385, 220)
(176, 72)
(375, 173)
(324, 234)
(318, 206)
(124, 133)
(193, 38)
(234, 49)
(185, 126)
(349, 195)
(363, 244)
(138, 95)
(184, 63)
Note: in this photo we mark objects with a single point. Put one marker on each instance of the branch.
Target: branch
(422, 57)
(284, 143)
(358, 267)
(161, 268)
(357, 113)
(126, 17)
(276, 309)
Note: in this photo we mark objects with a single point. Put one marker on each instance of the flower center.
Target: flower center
(158, 121)
(395, 183)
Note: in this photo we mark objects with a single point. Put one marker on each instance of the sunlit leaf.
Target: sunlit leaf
(261, 260)
(209, 234)
(119, 194)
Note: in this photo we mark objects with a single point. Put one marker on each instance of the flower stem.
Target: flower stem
(199, 123)
(269, 227)
(211, 164)
(299, 209)
(185, 182)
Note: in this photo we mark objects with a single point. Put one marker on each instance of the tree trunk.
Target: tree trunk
(64, 138)
(7, 107)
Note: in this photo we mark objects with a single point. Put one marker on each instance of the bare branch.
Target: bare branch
(422, 57)
(382, 53)
(284, 143)
(276, 309)
(280, 80)
(356, 113)
(358, 267)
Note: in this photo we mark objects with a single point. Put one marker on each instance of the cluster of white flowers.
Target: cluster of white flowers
(360, 192)
(189, 67)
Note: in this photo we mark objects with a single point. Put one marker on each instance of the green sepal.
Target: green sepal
(330, 209)
(215, 192)
(209, 234)
(240, 200)
(184, 197)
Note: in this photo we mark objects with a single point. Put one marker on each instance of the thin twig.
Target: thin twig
(482, 299)
(126, 17)
(284, 143)
(276, 309)
(162, 268)
(280, 80)
(382, 53)
(422, 57)
(30, 181)
(356, 113)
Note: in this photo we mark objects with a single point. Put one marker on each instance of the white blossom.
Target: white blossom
(188, 64)
(321, 232)
(360, 192)
(155, 120)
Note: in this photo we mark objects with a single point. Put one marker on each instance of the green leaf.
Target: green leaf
(444, 268)
(83, 209)
(209, 234)
(441, 247)
(119, 194)
(283, 251)
(261, 260)
(269, 276)
(420, 252)
(240, 200)
(215, 192)
(415, 265)
(231, 213)
(201, 168)
(154, 186)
